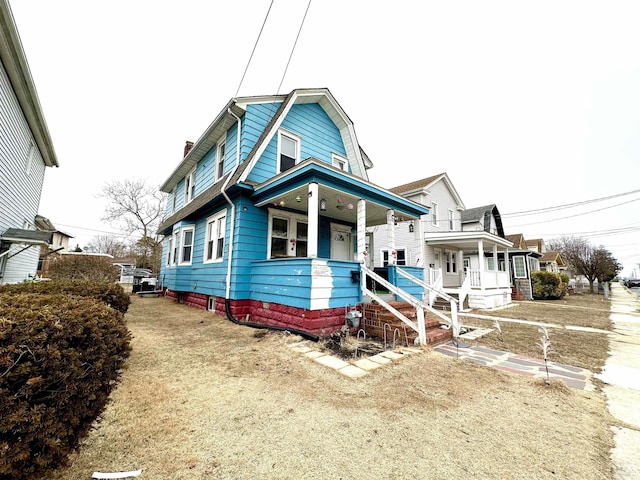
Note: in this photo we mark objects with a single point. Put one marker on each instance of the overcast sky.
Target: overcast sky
(526, 105)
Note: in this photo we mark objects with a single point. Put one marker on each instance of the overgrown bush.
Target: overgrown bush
(60, 357)
(83, 268)
(549, 285)
(110, 293)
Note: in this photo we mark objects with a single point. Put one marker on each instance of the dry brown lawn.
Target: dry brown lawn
(202, 398)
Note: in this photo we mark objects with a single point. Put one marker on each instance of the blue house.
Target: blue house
(267, 215)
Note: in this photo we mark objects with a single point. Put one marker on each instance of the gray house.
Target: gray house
(26, 151)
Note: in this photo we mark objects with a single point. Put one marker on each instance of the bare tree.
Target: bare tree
(136, 207)
(108, 244)
(595, 263)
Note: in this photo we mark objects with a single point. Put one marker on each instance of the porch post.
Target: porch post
(495, 257)
(506, 264)
(481, 262)
(312, 221)
(361, 231)
(391, 236)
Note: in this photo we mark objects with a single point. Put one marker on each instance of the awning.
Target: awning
(26, 237)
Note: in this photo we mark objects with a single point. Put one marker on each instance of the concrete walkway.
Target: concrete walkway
(621, 374)
(509, 362)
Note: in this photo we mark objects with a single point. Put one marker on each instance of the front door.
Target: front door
(341, 244)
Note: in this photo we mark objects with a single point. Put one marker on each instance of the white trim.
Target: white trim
(291, 234)
(297, 145)
(213, 222)
(524, 266)
(434, 213)
(190, 186)
(397, 262)
(184, 230)
(340, 162)
(452, 220)
(220, 158)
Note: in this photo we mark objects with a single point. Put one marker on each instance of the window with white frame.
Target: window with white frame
(434, 214)
(214, 241)
(451, 222)
(190, 186)
(401, 257)
(491, 264)
(174, 199)
(169, 249)
(288, 151)
(451, 262)
(534, 264)
(339, 162)
(220, 157)
(519, 267)
(287, 234)
(186, 245)
(175, 243)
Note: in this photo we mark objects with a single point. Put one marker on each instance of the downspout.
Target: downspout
(227, 300)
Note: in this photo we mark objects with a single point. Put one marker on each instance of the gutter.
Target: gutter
(232, 221)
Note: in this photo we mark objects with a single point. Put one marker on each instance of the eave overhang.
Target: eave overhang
(26, 237)
(465, 240)
(15, 64)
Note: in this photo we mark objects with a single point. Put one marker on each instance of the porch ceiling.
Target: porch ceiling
(466, 240)
(341, 207)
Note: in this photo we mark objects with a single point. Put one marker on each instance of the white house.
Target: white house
(444, 243)
(26, 151)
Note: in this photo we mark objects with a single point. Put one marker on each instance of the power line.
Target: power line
(293, 48)
(255, 45)
(577, 214)
(567, 205)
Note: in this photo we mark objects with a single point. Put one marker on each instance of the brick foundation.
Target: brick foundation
(317, 322)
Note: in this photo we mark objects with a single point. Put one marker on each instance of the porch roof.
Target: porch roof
(341, 191)
(465, 240)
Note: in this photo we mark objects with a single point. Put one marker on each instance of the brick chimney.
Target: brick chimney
(187, 148)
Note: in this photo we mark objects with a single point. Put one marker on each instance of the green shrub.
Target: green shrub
(60, 357)
(110, 293)
(549, 285)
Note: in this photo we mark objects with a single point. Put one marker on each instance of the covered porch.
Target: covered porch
(470, 266)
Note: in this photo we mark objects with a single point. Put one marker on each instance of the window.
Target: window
(186, 246)
(434, 214)
(339, 162)
(519, 269)
(451, 224)
(222, 148)
(288, 235)
(174, 200)
(401, 257)
(170, 250)
(288, 151)
(450, 258)
(29, 162)
(190, 186)
(214, 246)
(491, 264)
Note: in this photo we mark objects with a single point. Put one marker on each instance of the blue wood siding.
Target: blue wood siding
(312, 284)
(404, 283)
(319, 138)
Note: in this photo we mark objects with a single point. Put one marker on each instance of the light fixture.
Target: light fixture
(282, 203)
(298, 199)
(411, 227)
(323, 204)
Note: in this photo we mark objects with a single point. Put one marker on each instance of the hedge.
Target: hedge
(60, 357)
(549, 285)
(110, 293)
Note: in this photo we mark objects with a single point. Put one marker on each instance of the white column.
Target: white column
(312, 221)
(495, 257)
(506, 264)
(361, 231)
(481, 262)
(391, 236)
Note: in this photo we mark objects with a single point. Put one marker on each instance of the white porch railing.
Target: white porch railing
(419, 305)
(435, 280)
(463, 293)
(438, 293)
(488, 279)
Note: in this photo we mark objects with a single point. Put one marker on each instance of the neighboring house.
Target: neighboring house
(536, 245)
(552, 262)
(59, 243)
(26, 151)
(523, 261)
(446, 244)
(267, 214)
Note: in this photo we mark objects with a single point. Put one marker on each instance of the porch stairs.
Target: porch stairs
(380, 323)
